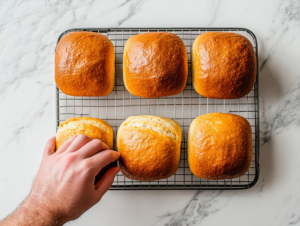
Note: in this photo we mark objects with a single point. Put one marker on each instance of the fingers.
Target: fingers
(65, 145)
(106, 181)
(78, 143)
(92, 148)
(101, 159)
(50, 147)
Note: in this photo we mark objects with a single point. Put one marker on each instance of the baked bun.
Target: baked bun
(155, 64)
(223, 65)
(219, 146)
(85, 64)
(149, 147)
(91, 127)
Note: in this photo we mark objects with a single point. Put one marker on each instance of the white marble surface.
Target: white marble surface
(28, 34)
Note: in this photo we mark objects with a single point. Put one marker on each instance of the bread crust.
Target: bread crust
(149, 147)
(155, 64)
(223, 65)
(219, 146)
(85, 64)
(91, 127)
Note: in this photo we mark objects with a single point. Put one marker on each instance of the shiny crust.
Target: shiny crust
(149, 147)
(219, 146)
(223, 65)
(92, 127)
(155, 64)
(85, 64)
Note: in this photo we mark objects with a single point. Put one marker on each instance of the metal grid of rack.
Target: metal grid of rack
(183, 108)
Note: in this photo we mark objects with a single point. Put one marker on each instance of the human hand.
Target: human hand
(64, 187)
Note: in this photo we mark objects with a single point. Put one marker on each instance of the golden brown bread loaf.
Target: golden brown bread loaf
(155, 64)
(91, 127)
(223, 65)
(85, 64)
(149, 147)
(219, 146)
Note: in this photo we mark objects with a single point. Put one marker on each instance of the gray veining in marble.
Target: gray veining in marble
(28, 34)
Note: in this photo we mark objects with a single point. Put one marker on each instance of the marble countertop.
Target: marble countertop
(28, 35)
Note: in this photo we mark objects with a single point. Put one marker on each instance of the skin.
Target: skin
(64, 187)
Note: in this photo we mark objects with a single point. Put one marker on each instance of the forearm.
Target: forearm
(30, 214)
(55, 197)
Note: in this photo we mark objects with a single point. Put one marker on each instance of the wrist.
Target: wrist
(41, 213)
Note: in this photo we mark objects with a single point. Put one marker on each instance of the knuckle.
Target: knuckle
(83, 137)
(80, 136)
(83, 166)
(71, 159)
(97, 142)
(67, 163)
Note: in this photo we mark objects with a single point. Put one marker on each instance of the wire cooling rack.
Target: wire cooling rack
(183, 108)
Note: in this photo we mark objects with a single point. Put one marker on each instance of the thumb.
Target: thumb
(50, 147)
(106, 181)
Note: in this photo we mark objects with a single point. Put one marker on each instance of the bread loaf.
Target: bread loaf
(85, 64)
(155, 64)
(219, 146)
(149, 147)
(91, 127)
(223, 65)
